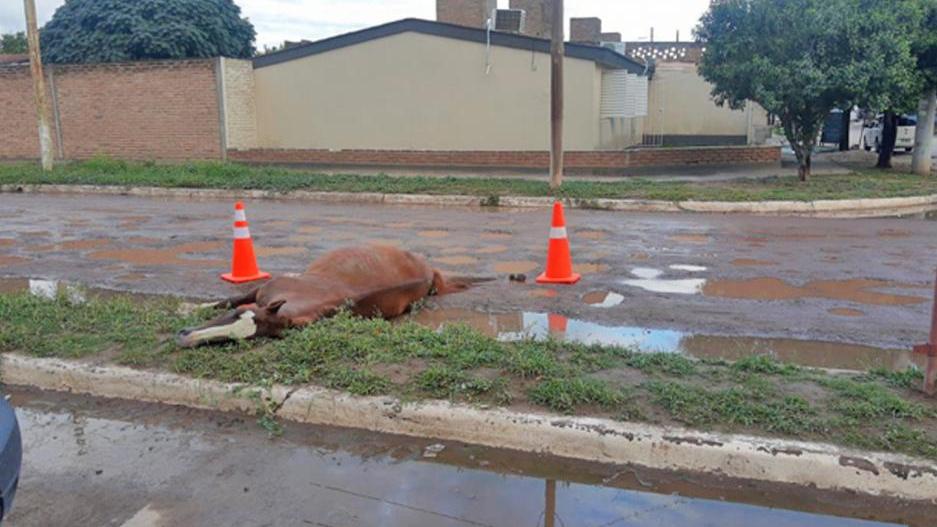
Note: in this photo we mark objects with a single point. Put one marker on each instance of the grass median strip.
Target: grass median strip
(860, 184)
(757, 395)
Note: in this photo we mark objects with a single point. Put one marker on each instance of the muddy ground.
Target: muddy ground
(662, 281)
(92, 461)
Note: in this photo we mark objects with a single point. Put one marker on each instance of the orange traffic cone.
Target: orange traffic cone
(559, 261)
(244, 262)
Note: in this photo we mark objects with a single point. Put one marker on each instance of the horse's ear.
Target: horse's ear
(274, 307)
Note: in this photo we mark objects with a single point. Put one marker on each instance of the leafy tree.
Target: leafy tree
(925, 49)
(13, 43)
(800, 59)
(83, 31)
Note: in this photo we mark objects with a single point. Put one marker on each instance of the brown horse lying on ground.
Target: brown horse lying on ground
(372, 281)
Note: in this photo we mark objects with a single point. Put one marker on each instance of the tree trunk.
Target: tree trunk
(804, 160)
(889, 136)
(924, 134)
(846, 123)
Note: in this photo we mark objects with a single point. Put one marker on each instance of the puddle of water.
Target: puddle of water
(456, 260)
(651, 280)
(433, 234)
(751, 262)
(604, 299)
(279, 251)
(334, 476)
(813, 354)
(492, 249)
(858, 291)
(168, 256)
(525, 266)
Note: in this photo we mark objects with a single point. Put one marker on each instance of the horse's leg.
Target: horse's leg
(240, 300)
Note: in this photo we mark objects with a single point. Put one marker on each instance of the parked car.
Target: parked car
(872, 134)
(11, 456)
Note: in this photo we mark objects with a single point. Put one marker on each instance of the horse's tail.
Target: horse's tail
(443, 286)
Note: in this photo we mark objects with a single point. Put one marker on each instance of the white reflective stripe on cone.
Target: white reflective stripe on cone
(241, 233)
(557, 233)
(240, 216)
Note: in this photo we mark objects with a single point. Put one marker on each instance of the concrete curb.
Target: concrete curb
(850, 208)
(772, 460)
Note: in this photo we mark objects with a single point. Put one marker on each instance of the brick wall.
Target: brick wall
(601, 160)
(161, 110)
(472, 13)
(19, 134)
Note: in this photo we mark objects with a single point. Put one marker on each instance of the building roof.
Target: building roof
(603, 56)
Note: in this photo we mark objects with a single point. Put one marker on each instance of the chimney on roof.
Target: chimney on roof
(539, 16)
(471, 13)
(585, 30)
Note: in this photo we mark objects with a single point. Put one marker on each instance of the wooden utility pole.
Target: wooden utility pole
(39, 85)
(557, 51)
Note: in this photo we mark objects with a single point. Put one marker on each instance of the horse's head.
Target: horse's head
(245, 322)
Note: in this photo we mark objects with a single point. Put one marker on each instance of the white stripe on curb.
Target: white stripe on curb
(773, 460)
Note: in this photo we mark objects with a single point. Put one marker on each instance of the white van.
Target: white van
(872, 133)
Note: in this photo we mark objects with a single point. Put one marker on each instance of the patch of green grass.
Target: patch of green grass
(356, 382)
(669, 363)
(909, 378)
(866, 400)
(765, 365)
(566, 394)
(443, 382)
(752, 395)
(747, 405)
(103, 171)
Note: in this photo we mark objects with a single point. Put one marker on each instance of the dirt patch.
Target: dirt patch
(700, 239)
(280, 251)
(309, 230)
(12, 260)
(492, 249)
(589, 268)
(433, 234)
(457, 260)
(496, 235)
(846, 312)
(857, 290)
(400, 373)
(7, 242)
(142, 240)
(640, 257)
(893, 233)
(169, 256)
(131, 277)
(524, 266)
(751, 262)
(591, 235)
(81, 245)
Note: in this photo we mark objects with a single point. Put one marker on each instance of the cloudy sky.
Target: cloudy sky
(278, 20)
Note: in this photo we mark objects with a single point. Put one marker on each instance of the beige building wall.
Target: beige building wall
(420, 92)
(680, 104)
(240, 111)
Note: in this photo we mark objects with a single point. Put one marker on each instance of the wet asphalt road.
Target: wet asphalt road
(855, 281)
(91, 462)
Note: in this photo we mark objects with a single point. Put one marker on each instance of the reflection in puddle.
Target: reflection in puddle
(651, 280)
(689, 268)
(814, 354)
